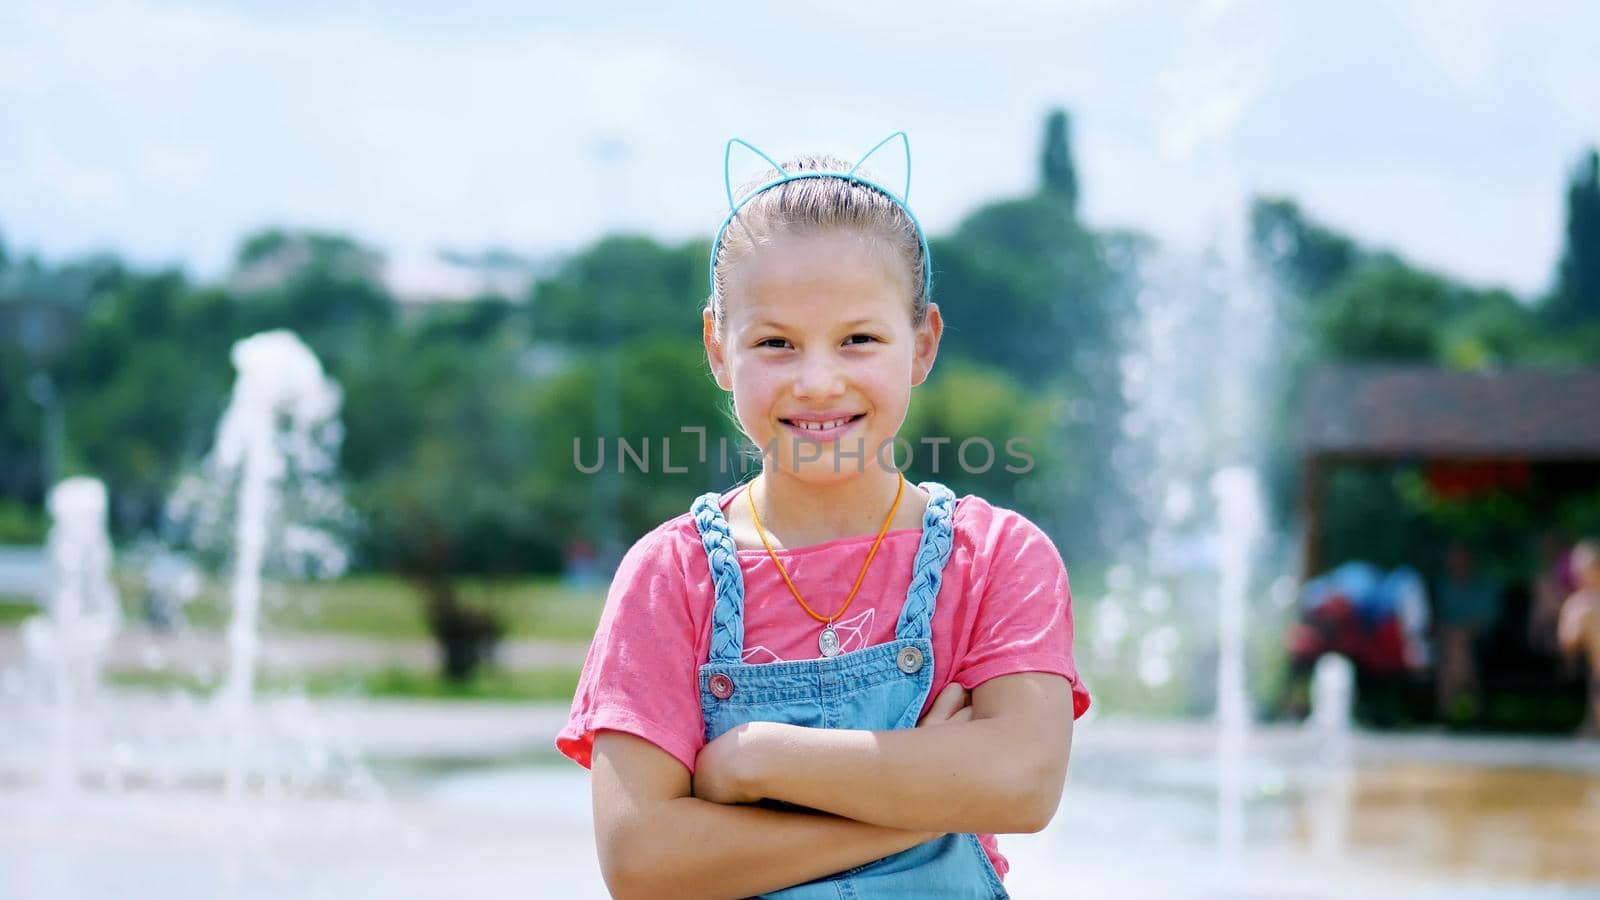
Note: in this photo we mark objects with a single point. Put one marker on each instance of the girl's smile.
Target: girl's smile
(822, 428)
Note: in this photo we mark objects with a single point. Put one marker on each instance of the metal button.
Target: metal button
(721, 686)
(909, 660)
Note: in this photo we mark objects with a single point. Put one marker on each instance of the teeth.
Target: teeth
(822, 426)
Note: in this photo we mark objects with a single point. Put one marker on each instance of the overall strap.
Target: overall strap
(727, 616)
(916, 616)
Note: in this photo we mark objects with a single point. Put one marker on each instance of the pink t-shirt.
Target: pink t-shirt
(1004, 607)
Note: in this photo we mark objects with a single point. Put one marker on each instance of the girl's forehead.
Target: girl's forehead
(819, 275)
(818, 305)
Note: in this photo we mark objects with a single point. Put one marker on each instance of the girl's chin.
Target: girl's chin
(831, 461)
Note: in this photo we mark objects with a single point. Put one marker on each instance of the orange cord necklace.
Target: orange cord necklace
(828, 641)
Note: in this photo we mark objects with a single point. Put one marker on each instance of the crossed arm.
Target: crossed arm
(996, 765)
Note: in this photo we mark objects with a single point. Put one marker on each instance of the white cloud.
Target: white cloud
(1462, 39)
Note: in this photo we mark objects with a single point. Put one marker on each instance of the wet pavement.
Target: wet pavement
(475, 805)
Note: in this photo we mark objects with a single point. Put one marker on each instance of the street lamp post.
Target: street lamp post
(611, 154)
(42, 390)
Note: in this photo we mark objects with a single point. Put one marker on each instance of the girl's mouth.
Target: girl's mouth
(821, 431)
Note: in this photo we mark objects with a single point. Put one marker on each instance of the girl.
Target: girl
(828, 682)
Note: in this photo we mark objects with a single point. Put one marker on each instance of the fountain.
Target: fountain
(128, 773)
(1163, 805)
(66, 646)
(1239, 525)
(277, 441)
(1333, 683)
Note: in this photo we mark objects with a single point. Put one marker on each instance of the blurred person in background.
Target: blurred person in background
(1579, 627)
(1553, 582)
(1468, 606)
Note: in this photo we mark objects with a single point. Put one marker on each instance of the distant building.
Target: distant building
(273, 257)
(448, 276)
(1507, 457)
(1547, 420)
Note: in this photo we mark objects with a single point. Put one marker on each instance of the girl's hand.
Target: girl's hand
(725, 769)
(954, 704)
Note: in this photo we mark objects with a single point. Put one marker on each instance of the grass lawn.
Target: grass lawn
(380, 606)
(14, 609)
(389, 607)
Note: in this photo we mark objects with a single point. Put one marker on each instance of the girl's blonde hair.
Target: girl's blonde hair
(810, 206)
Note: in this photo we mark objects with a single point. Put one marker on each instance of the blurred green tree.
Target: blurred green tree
(1028, 290)
(594, 483)
(1391, 312)
(1387, 313)
(327, 288)
(1303, 258)
(437, 440)
(1577, 296)
(621, 288)
(990, 435)
(43, 309)
(1059, 174)
(144, 387)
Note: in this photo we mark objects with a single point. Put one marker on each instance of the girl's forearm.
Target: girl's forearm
(978, 776)
(687, 847)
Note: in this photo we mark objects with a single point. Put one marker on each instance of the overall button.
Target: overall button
(909, 660)
(722, 686)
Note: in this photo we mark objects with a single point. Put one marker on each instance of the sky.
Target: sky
(166, 131)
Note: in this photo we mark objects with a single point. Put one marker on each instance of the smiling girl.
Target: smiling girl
(829, 681)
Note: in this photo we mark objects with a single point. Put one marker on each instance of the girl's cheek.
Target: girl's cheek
(762, 374)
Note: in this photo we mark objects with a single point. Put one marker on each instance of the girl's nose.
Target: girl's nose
(820, 376)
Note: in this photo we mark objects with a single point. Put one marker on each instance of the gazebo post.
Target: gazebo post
(1311, 493)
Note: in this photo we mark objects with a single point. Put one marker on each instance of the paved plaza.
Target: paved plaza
(474, 804)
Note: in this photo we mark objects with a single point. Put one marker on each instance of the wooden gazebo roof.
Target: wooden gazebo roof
(1402, 414)
(1397, 413)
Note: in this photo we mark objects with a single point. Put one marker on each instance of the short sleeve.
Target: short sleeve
(640, 674)
(1024, 615)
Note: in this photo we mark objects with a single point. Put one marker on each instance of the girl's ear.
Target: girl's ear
(927, 345)
(714, 354)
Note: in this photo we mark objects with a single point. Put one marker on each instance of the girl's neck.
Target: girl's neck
(798, 514)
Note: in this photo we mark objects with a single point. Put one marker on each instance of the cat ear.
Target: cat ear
(727, 170)
(905, 195)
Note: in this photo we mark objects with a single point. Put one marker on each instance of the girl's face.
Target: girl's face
(820, 353)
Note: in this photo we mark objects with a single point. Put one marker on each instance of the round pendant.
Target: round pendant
(828, 642)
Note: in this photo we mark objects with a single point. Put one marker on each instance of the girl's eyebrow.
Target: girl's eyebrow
(769, 323)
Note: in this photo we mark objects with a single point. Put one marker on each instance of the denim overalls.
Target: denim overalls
(877, 688)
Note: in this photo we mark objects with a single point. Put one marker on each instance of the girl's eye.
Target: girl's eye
(781, 343)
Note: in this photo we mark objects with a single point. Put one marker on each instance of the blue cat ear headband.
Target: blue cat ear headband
(900, 200)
